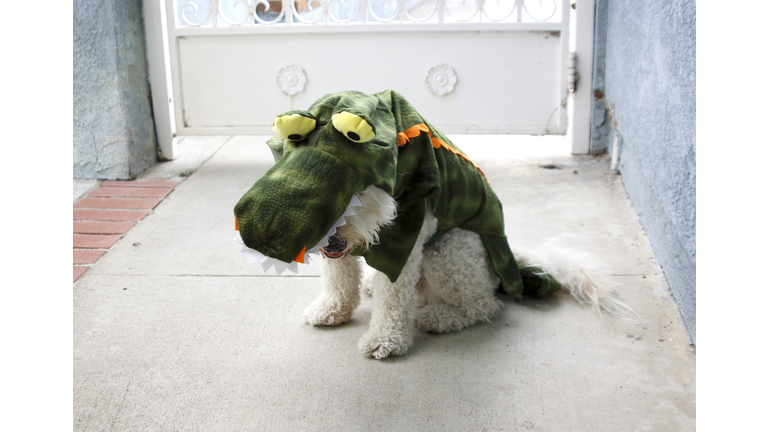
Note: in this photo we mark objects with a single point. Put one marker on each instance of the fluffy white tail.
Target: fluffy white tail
(579, 272)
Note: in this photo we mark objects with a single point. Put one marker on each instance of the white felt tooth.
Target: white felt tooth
(324, 241)
(349, 211)
(253, 254)
(339, 222)
(267, 263)
(257, 256)
(280, 267)
(294, 267)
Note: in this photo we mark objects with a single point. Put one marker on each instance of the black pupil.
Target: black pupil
(294, 137)
(353, 136)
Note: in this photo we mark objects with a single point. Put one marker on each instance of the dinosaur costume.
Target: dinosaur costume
(348, 141)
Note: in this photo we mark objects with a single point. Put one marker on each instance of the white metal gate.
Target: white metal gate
(482, 66)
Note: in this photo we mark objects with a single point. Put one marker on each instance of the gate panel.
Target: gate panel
(505, 79)
(510, 75)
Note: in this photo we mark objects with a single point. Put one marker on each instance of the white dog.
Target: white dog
(445, 286)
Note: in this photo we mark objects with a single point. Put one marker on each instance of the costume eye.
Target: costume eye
(353, 127)
(294, 127)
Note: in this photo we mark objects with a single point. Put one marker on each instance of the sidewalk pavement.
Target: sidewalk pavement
(105, 210)
(174, 331)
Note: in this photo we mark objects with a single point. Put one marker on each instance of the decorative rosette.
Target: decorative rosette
(280, 266)
(291, 79)
(441, 79)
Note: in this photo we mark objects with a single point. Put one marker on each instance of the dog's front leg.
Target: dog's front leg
(391, 329)
(394, 304)
(340, 292)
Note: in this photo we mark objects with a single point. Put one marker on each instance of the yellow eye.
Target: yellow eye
(353, 127)
(294, 127)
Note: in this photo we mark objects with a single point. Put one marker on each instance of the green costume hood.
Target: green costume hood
(348, 141)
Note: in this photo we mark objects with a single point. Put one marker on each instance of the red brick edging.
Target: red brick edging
(105, 214)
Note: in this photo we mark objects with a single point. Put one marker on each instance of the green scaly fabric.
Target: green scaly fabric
(298, 200)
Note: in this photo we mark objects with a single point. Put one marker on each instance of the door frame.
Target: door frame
(162, 51)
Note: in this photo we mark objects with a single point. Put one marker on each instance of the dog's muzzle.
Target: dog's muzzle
(336, 249)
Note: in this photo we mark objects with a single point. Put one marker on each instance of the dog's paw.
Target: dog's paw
(327, 313)
(379, 346)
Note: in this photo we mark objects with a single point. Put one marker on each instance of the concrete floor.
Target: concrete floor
(174, 331)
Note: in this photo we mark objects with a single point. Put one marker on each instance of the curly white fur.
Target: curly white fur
(394, 304)
(339, 292)
(580, 272)
(450, 281)
(378, 209)
(459, 284)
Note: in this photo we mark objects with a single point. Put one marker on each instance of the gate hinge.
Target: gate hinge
(573, 74)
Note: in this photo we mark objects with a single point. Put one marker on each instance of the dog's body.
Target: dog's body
(411, 204)
(445, 286)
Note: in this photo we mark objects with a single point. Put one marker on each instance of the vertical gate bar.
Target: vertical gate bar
(160, 77)
(520, 10)
(288, 11)
(481, 10)
(441, 11)
(173, 67)
(580, 103)
(364, 12)
(214, 4)
(565, 51)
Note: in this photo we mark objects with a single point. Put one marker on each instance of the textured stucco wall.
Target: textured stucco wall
(600, 123)
(645, 64)
(114, 134)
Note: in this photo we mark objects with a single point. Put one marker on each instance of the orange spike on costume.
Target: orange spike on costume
(415, 130)
(236, 227)
(300, 257)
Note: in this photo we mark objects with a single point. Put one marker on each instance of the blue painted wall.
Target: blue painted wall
(114, 134)
(645, 82)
